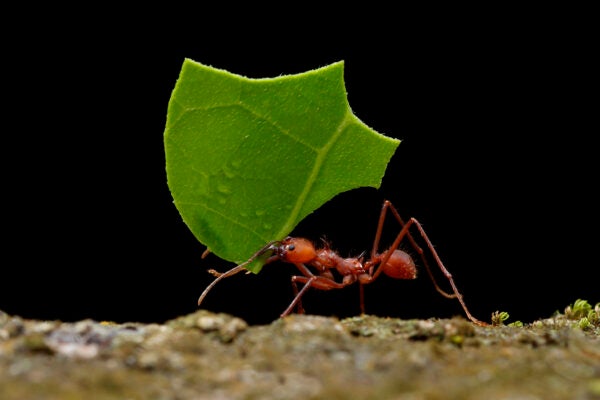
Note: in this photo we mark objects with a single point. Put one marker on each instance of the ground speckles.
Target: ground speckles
(224, 326)
(205, 355)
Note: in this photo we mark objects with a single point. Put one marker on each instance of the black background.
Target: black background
(498, 160)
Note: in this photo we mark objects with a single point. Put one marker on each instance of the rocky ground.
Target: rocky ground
(217, 356)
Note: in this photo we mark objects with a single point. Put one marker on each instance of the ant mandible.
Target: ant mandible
(392, 262)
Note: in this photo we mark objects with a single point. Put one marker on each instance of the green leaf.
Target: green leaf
(248, 159)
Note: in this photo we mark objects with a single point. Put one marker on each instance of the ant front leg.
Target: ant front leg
(382, 260)
(310, 280)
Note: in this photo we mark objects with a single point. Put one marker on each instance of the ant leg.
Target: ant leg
(375, 256)
(307, 273)
(374, 249)
(446, 273)
(405, 232)
(361, 291)
(388, 205)
(298, 295)
(318, 282)
(299, 308)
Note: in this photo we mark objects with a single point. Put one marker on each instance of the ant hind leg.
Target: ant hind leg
(405, 232)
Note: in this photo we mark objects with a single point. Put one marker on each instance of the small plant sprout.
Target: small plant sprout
(594, 315)
(579, 309)
(498, 318)
(324, 262)
(584, 323)
(582, 312)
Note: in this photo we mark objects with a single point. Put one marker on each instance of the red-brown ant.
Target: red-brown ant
(393, 262)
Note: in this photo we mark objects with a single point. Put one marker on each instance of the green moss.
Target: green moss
(584, 316)
(499, 317)
(579, 309)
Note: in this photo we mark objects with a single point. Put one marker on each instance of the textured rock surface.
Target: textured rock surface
(217, 356)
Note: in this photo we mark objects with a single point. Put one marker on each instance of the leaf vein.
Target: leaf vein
(312, 178)
(234, 222)
(256, 114)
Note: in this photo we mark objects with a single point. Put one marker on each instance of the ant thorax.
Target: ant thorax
(326, 258)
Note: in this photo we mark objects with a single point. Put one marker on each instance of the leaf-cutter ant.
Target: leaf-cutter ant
(392, 262)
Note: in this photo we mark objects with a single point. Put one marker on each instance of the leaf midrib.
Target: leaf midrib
(312, 178)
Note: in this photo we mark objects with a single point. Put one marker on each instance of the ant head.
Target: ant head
(296, 250)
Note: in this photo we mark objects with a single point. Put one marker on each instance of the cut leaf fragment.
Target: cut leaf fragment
(248, 159)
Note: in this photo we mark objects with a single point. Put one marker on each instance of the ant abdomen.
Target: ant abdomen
(400, 266)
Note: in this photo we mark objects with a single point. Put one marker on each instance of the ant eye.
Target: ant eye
(291, 247)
